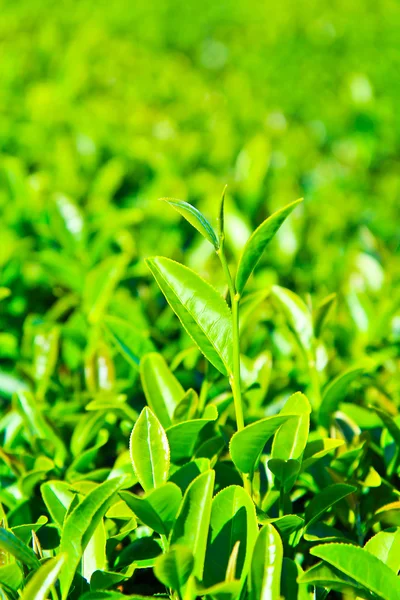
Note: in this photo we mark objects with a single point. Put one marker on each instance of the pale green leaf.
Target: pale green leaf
(149, 451)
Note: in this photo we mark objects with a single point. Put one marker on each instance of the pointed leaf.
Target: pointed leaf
(297, 314)
(290, 587)
(40, 583)
(266, 565)
(233, 521)
(335, 393)
(322, 575)
(57, 497)
(362, 566)
(128, 339)
(158, 509)
(161, 388)
(192, 523)
(195, 218)
(13, 545)
(291, 439)
(317, 449)
(246, 445)
(149, 451)
(37, 425)
(257, 243)
(322, 313)
(385, 545)
(285, 471)
(201, 309)
(182, 438)
(80, 525)
(186, 409)
(322, 501)
(100, 284)
(174, 567)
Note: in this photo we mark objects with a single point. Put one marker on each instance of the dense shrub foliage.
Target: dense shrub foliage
(199, 404)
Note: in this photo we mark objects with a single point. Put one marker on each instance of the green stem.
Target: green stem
(164, 542)
(234, 376)
(282, 501)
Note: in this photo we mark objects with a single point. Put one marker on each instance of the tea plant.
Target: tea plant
(229, 489)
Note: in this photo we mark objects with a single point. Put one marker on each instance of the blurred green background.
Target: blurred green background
(107, 106)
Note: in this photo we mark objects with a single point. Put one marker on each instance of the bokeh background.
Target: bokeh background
(107, 106)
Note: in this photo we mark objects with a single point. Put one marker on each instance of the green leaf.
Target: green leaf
(322, 313)
(158, 509)
(285, 471)
(266, 565)
(322, 575)
(57, 497)
(131, 342)
(184, 476)
(45, 350)
(182, 438)
(100, 284)
(162, 390)
(335, 393)
(192, 523)
(11, 576)
(201, 309)
(94, 556)
(80, 525)
(363, 567)
(257, 243)
(297, 314)
(40, 583)
(291, 439)
(174, 567)
(227, 590)
(385, 545)
(233, 521)
(149, 451)
(186, 409)
(290, 588)
(195, 218)
(37, 426)
(11, 544)
(221, 215)
(325, 499)
(317, 449)
(246, 445)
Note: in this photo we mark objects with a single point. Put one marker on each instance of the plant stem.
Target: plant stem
(282, 501)
(234, 377)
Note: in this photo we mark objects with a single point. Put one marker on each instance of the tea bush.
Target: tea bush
(199, 399)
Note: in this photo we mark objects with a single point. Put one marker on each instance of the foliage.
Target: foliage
(199, 397)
